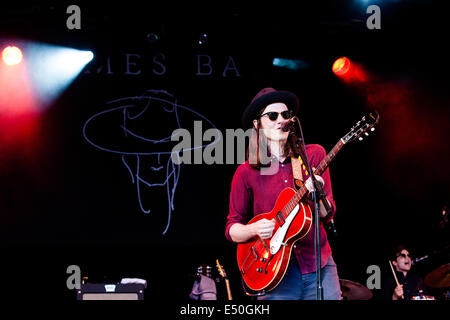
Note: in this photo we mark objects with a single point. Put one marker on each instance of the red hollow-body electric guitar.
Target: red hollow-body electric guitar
(263, 263)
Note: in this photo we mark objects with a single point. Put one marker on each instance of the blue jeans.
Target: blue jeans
(297, 286)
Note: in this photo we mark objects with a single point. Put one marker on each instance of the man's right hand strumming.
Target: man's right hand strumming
(263, 228)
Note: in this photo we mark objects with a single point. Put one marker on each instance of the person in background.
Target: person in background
(410, 284)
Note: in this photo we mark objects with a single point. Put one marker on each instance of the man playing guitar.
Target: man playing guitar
(257, 185)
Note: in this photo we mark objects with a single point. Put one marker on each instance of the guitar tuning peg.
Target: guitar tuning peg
(366, 134)
(372, 129)
(360, 138)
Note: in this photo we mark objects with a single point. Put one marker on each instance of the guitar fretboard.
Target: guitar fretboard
(330, 156)
(319, 170)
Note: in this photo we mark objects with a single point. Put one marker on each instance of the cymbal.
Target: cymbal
(439, 278)
(354, 291)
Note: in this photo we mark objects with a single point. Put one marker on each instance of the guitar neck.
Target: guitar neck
(224, 276)
(227, 283)
(329, 157)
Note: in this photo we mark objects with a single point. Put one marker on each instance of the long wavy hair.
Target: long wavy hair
(258, 152)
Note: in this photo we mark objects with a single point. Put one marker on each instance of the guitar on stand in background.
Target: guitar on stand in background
(204, 270)
(204, 287)
(224, 276)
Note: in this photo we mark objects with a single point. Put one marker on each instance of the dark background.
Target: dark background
(65, 202)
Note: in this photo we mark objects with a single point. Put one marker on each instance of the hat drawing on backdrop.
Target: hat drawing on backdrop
(265, 97)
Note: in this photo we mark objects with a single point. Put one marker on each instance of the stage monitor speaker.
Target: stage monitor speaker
(106, 291)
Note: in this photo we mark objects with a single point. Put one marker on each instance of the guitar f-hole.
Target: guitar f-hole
(255, 257)
(267, 264)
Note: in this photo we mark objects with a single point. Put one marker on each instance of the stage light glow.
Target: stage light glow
(53, 68)
(12, 55)
(290, 63)
(16, 90)
(39, 76)
(341, 66)
(349, 71)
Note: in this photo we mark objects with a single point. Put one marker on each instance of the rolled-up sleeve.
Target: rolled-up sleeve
(240, 201)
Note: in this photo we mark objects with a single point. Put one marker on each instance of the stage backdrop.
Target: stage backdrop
(90, 180)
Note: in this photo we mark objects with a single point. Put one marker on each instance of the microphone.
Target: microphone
(288, 125)
(413, 262)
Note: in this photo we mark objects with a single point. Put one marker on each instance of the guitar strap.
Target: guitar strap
(298, 170)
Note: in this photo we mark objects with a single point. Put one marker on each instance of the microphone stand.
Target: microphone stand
(318, 195)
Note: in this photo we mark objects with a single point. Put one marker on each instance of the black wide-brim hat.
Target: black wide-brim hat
(265, 97)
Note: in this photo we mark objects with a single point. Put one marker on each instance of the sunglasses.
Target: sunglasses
(273, 115)
(404, 255)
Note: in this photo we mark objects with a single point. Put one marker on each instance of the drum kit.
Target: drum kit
(437, 279)
(354, 291)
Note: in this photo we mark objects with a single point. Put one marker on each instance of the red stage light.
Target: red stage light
(12, 55)
(341, 66)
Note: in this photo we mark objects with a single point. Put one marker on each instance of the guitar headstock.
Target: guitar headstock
(221, 269)
(362, 127)
(204, 270)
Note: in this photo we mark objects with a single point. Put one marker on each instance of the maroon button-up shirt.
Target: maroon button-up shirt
(253, 193)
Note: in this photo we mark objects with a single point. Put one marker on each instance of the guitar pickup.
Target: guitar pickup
(280, 218)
